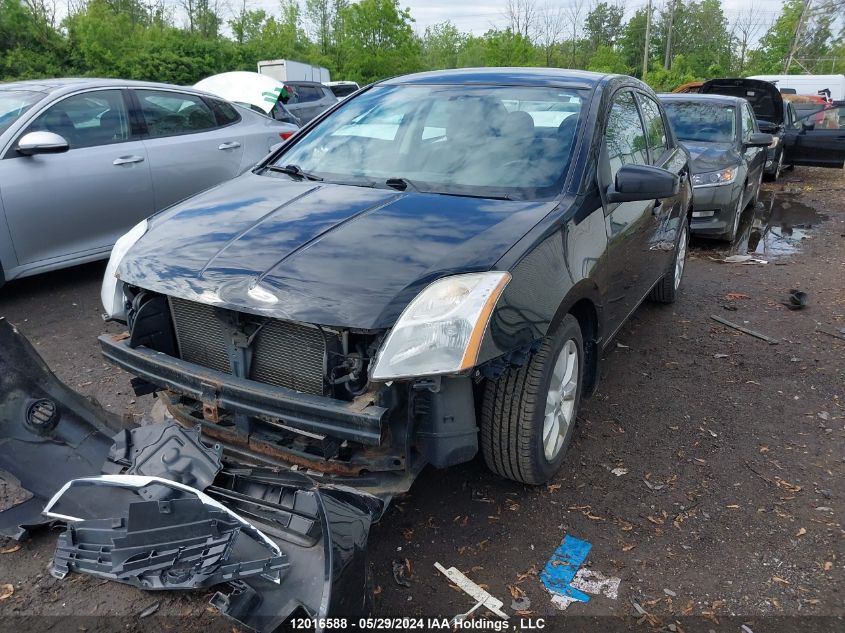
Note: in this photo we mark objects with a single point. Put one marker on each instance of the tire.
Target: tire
(756, 197)
(514, 408)
(731, 233)
(666, 290)
(775, 175)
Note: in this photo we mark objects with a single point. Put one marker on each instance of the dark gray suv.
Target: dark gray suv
(308, 99)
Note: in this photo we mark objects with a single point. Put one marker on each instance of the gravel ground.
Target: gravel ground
(727, 496)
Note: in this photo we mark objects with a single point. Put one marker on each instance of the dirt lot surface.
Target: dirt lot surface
(707, 472)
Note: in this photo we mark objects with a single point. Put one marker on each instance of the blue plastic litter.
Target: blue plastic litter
(561, 568)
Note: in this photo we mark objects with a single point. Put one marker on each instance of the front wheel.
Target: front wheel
(666, 290)
(528, 413)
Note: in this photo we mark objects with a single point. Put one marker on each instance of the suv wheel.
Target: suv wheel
(666, 290)
(528, 413)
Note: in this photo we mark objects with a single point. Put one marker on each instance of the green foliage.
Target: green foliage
(366, 40)
(608, 60)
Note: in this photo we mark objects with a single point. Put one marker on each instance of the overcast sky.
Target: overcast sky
(478, 16)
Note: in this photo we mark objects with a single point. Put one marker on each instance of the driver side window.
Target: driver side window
(87, 119)
(625, 138)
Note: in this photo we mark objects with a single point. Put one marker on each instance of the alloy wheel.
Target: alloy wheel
(560, 400)
(681, 256)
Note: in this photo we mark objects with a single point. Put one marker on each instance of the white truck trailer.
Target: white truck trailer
(290, 70)
(808, 84)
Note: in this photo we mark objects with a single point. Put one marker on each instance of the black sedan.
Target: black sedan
(431, 268)
(728, 157)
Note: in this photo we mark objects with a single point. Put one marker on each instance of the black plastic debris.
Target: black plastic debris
(48, 434)
(299, 547)
(175, 544)
(797, 300)
(166, 450)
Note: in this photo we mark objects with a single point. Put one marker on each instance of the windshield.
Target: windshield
(702, 122)
(512, 142)
(13, 103)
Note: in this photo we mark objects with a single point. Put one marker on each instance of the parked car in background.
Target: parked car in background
(433, 268)
(769, 110)
(801, 142)
(689, 87)
(308, 99)
(818, 139)
(342, 89)
(728, 156)
(257, 92)
(82, 160)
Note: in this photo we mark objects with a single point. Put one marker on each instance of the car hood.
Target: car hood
(711, 156)
(328, 254)
(765, 98)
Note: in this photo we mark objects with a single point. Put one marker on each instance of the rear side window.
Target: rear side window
(625, 139)
(87, 119)
(304, 94)
(655, 128)
(225, 112)
(169, 113)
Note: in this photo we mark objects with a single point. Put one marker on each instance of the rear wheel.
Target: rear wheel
(528, 413)
(666, 290)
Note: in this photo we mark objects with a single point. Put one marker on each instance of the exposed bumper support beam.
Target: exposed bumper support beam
(314, 414)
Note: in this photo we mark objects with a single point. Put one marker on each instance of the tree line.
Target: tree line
(182, 41)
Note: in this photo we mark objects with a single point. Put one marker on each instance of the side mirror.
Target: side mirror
(759, 139)
(34, 143)
(643, 182)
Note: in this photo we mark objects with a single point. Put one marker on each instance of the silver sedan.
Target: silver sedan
(83, 160)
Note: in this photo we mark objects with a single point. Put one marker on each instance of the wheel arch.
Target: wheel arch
(584, 304)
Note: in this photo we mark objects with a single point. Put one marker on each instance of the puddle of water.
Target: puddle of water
(777, 227)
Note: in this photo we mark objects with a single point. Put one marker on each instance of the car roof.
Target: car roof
(694, 96)
(503, 76)
(69, 84)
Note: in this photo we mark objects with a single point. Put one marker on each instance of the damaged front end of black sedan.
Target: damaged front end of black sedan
(155, 507)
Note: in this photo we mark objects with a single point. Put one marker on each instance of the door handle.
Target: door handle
(229, 145)
(126, 160)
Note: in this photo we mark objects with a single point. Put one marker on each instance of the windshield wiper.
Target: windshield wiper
(401, 184)
(295, 171)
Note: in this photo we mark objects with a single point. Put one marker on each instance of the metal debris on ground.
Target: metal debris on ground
(742, 259)
(482, 597)
(744, 330)
(150, 610)
(840, 335)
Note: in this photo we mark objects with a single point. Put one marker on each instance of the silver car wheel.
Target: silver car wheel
(681, 257)
(560, 400)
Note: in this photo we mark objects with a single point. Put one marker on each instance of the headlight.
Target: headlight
(713, 178)
(441, 329)
(111, 294)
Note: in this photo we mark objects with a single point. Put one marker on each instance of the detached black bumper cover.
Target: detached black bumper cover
(305, 412)
(49, 435)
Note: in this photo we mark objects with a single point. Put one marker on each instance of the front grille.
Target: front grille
(284, 354)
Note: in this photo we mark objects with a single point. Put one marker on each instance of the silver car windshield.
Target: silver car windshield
(13, 103)
(512, 142)
(702, 122)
